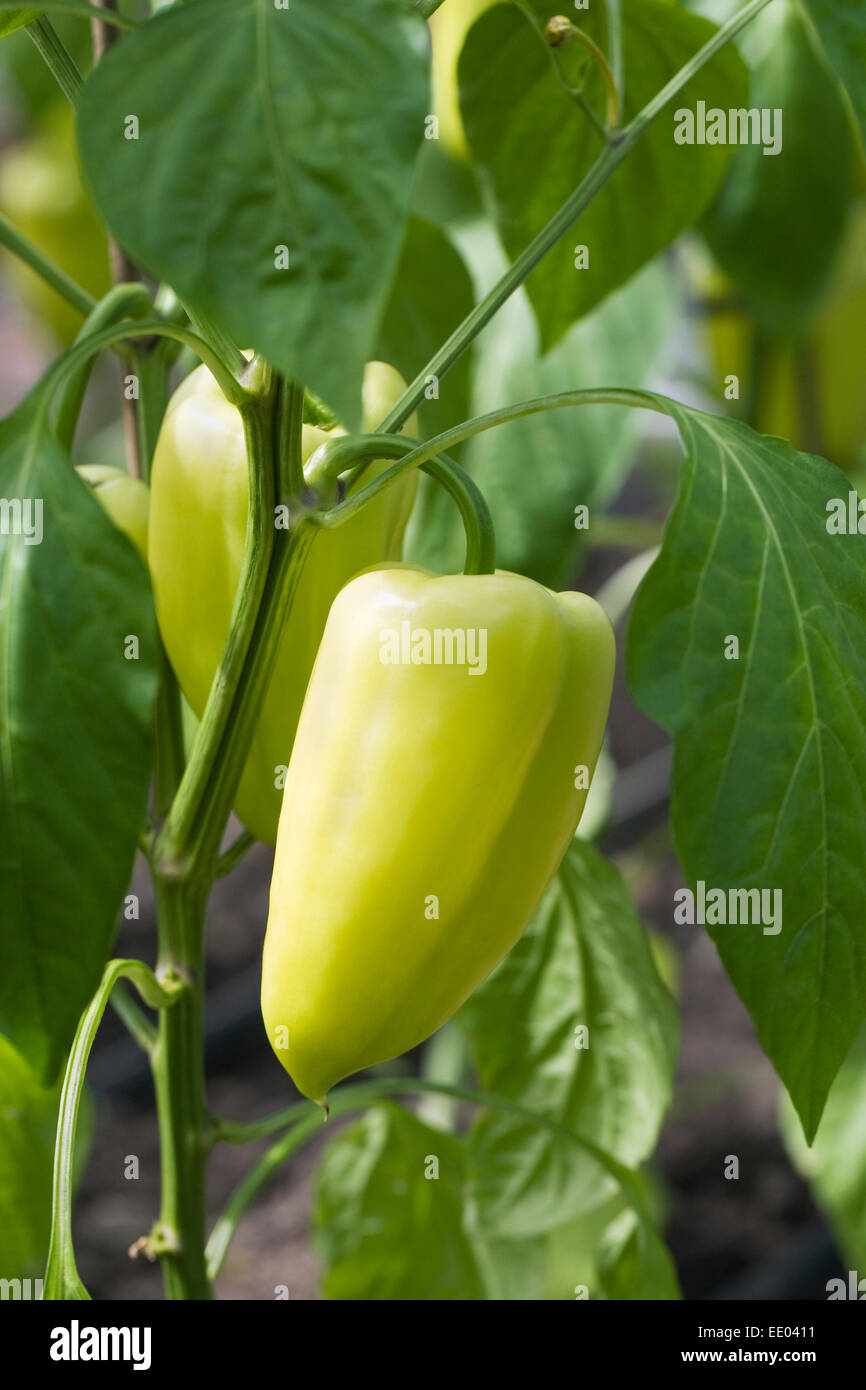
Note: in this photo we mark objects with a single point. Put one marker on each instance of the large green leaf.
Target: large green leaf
(577, 1025)
(533, 145)
(770, 748)
(75, 739)
(28, 1119)
(841, 30)
(388, 1212)
(28, 1114)
(262, 128)
(778, 222)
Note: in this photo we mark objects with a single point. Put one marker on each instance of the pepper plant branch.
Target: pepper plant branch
(470, 501)
(124, 301)
(614, 46)
(562, 221)
(177, 1063)
(337, 454)
(191, 806)
(61, 1275)
(136, 1022)
(52, 274)
(306, 1123)
(231, 857)
(80, 352)
(55, 55)
(288, 438)
(219, 341)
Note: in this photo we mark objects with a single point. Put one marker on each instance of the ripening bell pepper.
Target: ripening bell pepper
(440, 768)
(199, 490)
(126, 500)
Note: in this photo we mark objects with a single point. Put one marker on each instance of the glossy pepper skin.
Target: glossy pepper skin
(417, 789)
(199, 493)
(126, 499)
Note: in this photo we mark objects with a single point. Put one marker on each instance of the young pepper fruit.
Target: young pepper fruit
(126, 500)
(427, 805)
(198, 516)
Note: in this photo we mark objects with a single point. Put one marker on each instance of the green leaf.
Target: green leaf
(75, 737)
(576, 1024)
(28, 1119)
(533, 145)
(835, 1165)
(258, 129)
(770, 748)
(28, 1115)
(555, 1267)
(801, 194)
(388, 1212)
(534, 472)
(841, 31)
(431, 295)
(634, 1263)
(10, 20)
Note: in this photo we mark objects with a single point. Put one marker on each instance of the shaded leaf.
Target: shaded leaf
(263, 128)
(385, 1227)
(75, 739)
(770, 748)
(519, 116)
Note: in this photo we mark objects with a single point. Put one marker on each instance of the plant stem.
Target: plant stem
(62, 1280)
(52, 274)
(326, 464)
(356, 1097)
(124, 301)
(562, 221)
(57, 57)
(177, 1059)
(614, 47)
(337, 454)
(137, 1024)
(561, 31)
(235, 853)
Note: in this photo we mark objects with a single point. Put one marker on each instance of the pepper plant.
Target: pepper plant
(294, 216)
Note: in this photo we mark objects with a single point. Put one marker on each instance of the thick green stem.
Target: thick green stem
(56, 56)
(328, 462)
(179, 1078)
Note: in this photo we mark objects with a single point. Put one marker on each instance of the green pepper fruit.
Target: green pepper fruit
(42, 194)
(199, 496)
(126, 499)
(440, 768)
